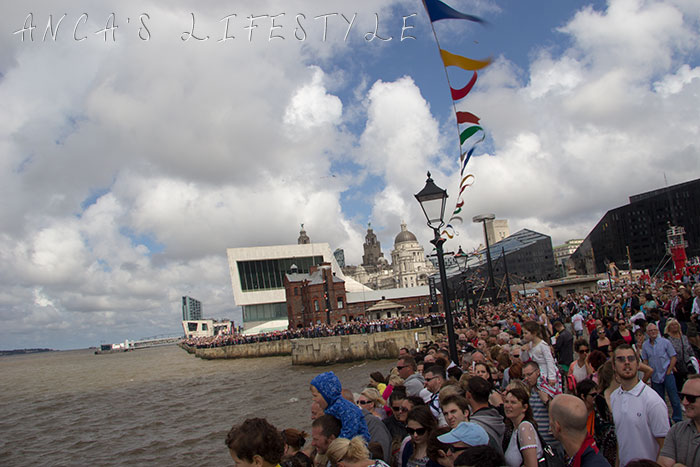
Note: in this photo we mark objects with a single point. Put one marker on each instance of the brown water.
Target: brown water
(148, 407)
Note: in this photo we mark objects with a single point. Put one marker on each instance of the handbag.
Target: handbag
(687, 367)
(549, 458)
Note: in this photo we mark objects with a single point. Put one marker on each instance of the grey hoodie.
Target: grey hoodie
(491, 421)
(414, 384)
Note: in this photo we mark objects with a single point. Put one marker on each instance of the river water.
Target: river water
(147, 407)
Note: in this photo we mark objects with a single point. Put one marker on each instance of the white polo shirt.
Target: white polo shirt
(640, 417)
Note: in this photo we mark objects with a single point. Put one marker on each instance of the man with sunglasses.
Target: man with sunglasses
(639, 413)
(682, 445)
(396, 422)
(413, 382)
(434, 379)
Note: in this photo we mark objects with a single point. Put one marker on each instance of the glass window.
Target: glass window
(340, 302)
(269, 274)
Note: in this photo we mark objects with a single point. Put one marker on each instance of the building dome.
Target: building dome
(404, 236)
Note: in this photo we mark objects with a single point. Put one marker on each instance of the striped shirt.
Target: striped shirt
(540, 411)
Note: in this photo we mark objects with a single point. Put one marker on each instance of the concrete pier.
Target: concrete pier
(324, 350)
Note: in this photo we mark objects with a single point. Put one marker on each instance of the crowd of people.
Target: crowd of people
(360, 326)
(608, 378)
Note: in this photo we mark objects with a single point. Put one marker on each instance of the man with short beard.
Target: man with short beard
(324, 430)
(541, 394)
(639, 413)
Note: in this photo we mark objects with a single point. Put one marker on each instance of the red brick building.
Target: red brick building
(307, 304)
(309, 295)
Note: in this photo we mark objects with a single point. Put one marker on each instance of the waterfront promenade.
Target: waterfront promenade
(322, 330)
(323, 345)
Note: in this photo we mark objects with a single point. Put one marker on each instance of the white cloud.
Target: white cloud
(129, 167)
(311, 106)
(400, 143)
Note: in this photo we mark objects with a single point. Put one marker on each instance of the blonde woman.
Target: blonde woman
(344, 452)
(684, 351)
(371, 400)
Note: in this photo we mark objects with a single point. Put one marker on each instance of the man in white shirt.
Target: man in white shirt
(639, 413)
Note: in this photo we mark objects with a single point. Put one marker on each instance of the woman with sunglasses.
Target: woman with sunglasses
(622, 333)
(581, 369)
(524, 447)
(414, 450)
(602, 343)
(371, 400)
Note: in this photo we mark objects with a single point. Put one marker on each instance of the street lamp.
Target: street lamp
(483, 218)
(462, 258)
(432, 200)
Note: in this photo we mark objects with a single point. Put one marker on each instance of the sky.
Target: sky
(132, 156)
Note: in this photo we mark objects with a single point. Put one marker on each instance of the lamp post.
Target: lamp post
(461, 258)
(505, 266)
(432, 200)
(483, 218)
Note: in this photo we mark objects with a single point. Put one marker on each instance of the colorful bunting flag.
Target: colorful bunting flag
(470, 132)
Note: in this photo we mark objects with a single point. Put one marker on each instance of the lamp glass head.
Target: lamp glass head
(432, 200)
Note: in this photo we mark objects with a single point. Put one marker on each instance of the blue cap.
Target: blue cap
(466, 432)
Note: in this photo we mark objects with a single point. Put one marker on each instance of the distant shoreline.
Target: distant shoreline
(4, 353)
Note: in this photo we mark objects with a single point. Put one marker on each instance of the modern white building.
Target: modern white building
(206, 327)
(257, 277)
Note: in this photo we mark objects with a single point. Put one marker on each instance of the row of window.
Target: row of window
(269, 273)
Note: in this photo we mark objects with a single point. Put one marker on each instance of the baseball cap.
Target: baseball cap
(466, 432)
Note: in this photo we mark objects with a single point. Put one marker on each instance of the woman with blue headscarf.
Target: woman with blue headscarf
(326, 391)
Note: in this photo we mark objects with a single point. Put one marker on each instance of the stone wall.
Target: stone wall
(323, 350)
(329, 350)
(260, 349)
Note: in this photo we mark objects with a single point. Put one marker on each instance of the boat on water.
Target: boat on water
(110, 348)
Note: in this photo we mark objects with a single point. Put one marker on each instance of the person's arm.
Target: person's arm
(551, 365)
(589, 369)
(660, 442)
(671, 366)
(528, 444)
(665, 461)
(647, 370)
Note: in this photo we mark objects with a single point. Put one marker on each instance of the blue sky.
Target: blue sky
(129, 166)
